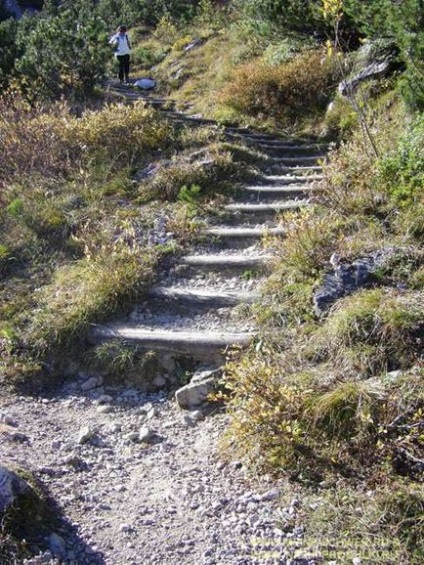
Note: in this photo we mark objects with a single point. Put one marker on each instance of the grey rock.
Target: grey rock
(348, 278)
(11, 487)
(374, 60)
(84, 435)
(159, 381)
(145, 83)
(104, 409)
(8, 420)
(90, 384)
(57, 545)
(196, 393)
(193, 44)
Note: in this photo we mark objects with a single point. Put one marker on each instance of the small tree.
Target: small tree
(8, 51)
(65, 52)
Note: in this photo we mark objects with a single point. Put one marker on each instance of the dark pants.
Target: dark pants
(124, 66)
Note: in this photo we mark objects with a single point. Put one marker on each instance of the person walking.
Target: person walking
(122, 52)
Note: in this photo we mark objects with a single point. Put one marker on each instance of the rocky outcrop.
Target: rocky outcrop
(12, 487)
(373, 61)
(348, 278)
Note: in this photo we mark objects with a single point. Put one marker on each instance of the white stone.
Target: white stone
(85, 434)
(145, 434)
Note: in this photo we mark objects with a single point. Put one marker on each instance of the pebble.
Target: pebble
(85, 434)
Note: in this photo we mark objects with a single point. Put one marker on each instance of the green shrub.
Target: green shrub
(402, 172)
(378, 318)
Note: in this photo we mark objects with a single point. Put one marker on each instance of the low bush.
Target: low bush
(382, 323)
(298, 87)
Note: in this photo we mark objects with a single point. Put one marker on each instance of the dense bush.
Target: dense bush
(64, 52)
(56, 142)
(299, 86)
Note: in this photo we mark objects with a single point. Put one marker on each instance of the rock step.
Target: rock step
(293, 169)
(296, 161)
(280, 180)
(184, 118)
(201, 297)
(265, 191)
(226, 261)
(245, 232)
(270, 137)
(248, 208)
(180, 342)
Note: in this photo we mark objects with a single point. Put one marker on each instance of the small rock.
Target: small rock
(159, 381)
(104, 409)
(89, 384)
(126, 528)
(57, 545)
(84, 435)
(105, 399)
(145, 435)
(196, 415)
(8, 420)
(272, 494)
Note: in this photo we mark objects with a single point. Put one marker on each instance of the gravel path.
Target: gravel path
(140, 482)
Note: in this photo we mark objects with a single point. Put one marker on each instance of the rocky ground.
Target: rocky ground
(139, 481)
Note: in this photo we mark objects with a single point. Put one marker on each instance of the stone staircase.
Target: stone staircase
(196, 309)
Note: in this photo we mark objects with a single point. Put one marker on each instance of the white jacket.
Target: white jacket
(122, 43)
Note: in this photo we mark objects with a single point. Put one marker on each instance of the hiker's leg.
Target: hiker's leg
(126, 66)
(121, 61)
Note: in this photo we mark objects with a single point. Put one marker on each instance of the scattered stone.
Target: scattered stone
(57, 545)
(84, 435)
(145, 435)
(197, 391)
(90, 384)
(8, 420)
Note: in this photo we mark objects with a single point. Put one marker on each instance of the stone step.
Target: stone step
(247, 133)
(201, 297)
(275, 152)
(184, 342)
(296, 161)
(249, 208)
(280, 180)
(245, 232)
(185, 118)
(226, 261)
(262, 192)
(280, 168)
